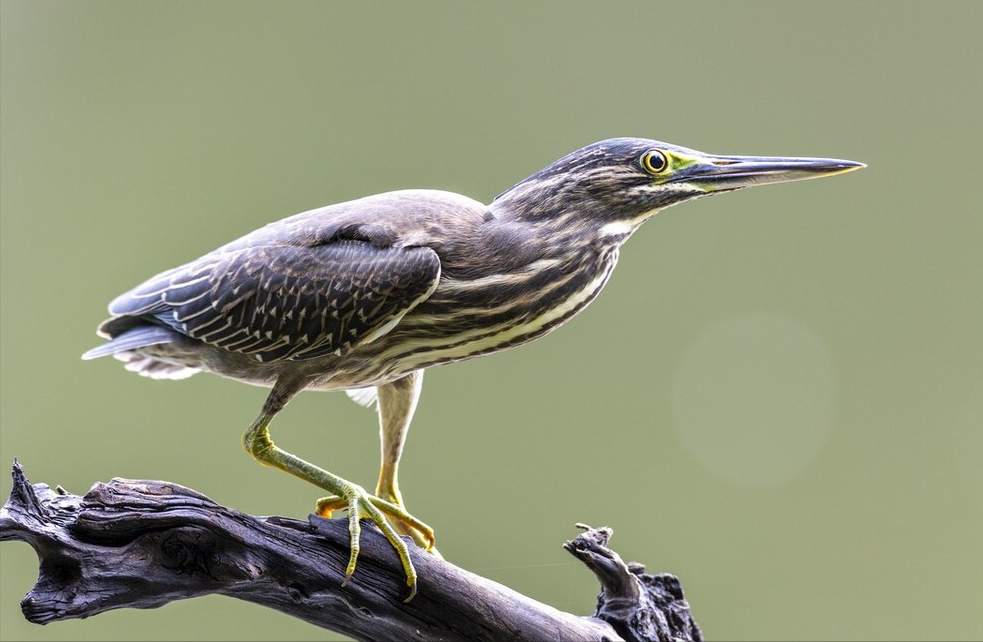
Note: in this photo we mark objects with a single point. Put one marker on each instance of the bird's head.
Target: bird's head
(617, 184)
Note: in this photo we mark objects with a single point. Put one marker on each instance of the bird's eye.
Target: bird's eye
(654, 162)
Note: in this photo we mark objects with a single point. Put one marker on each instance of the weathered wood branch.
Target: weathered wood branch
(141, 544)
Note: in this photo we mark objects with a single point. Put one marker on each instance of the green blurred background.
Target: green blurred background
(779, 396)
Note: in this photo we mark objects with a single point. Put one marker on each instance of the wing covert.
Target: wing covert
(285, 301)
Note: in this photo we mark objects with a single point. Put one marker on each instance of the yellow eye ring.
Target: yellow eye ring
(654, 162)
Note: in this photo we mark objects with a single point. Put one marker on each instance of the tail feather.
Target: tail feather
(154, 368)
(138, 337)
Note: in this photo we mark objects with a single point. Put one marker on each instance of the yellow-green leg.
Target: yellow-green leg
(397, 402)
(355, 499)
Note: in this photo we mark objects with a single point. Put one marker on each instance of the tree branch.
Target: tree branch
(141, 544)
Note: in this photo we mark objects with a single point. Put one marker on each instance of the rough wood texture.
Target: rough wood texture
(141, 544)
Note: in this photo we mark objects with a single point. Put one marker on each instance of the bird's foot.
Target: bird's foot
(404, 523)
(360, 504)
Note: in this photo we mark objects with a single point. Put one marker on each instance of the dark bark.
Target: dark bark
(141, 544)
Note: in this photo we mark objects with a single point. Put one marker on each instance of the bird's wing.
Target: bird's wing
(279, 300)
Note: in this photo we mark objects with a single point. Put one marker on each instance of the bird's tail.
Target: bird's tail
(137, 337)
(131, 346)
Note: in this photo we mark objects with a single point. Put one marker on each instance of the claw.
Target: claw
(412, 586)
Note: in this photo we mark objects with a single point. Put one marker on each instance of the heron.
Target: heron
(365, 295)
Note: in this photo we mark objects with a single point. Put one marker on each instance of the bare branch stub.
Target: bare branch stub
(639, 606)
(141, 544)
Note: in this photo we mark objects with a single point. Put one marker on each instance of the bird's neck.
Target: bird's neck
(573, 228)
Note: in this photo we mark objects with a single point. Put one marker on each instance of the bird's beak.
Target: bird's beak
(721, 173)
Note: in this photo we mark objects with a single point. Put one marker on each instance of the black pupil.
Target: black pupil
(656, 162)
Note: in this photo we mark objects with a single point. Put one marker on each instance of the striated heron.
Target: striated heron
(363, 296)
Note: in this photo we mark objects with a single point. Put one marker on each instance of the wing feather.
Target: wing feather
(288, 301)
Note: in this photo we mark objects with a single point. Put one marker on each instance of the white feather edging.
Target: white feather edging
(366, 397)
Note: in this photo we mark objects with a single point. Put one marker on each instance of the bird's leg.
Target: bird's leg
(397, 402)
(358, 502)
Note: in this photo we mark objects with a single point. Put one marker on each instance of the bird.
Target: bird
(363, 296)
